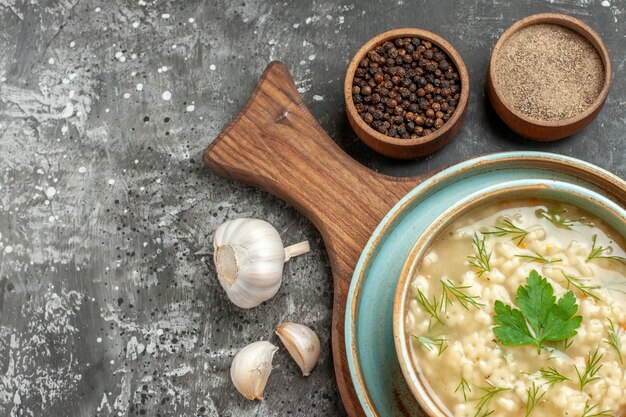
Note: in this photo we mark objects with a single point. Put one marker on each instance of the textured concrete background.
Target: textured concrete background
(109, 304)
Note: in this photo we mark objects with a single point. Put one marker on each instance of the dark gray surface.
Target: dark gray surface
(109, 304)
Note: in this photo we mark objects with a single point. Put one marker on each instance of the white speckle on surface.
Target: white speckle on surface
(82, 170)
(606, 3)
(136, 161)
(312, 57)
(8, 249)
(165, 16)
(111, 181)
(107, 110)
(50, 192)
(64, 129)
(191, 108)
(51, 61)
(212, 67)
(67, 111)
(99, 340)
(135, 24)
(139, 87)
(318, 97)
(98, 10)
(191, 20)
(296, 25)
(126, 95)
(166, 95)
(119, 55)
(158, 180)
(72, 44)
(51, 219)
(341, 20)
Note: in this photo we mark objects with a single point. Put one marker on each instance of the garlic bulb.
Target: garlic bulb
(302, 343)
(249, 256)
(251, 369)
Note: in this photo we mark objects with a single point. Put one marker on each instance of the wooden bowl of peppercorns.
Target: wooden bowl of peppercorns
(406, 93)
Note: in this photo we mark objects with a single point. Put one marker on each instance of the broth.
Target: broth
(485, 256)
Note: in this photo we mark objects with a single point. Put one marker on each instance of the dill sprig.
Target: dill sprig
(465, 387)
(517, 234)
(552, 376)
(613, 339)
(612, 286)
(597, 252)
(592, 366)
(589, 411)
(481, 260)
(450, 290)
(430, 307)
(490, 391)
(539, 258)
(533, 398)
(557, 218)
(567, 343)
(579, 284)
(441, 344)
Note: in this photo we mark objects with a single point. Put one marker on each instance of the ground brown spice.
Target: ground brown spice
(548, 72)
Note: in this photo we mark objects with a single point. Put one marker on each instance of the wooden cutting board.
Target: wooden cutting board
(276, 144)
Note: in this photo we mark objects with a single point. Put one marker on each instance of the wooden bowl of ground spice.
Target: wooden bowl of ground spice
(406, 93)
(549, 75)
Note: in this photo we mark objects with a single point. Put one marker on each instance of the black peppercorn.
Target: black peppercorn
(405, 84)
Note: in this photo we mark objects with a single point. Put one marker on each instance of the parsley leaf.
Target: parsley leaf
(540, 318)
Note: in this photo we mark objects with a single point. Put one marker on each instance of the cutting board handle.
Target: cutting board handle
(277, 145)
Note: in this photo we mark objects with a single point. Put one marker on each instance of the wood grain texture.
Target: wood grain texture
(277, 145)
(407, 148)
(555, 129)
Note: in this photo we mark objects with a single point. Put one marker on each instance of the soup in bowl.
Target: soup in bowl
(513, 303)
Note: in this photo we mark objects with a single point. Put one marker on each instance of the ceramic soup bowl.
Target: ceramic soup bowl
(608, 211)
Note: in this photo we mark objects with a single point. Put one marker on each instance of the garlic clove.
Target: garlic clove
(249, 257)
(251, 368)
(302, 343)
